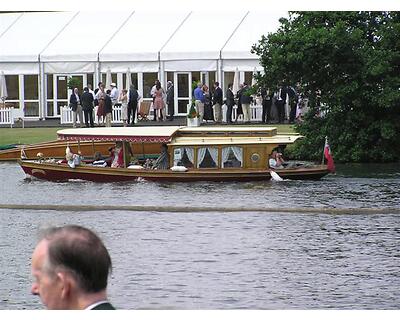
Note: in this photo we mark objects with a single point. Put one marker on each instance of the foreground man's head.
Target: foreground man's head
(70, 266)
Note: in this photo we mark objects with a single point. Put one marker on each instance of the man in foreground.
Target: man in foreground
(71, 265)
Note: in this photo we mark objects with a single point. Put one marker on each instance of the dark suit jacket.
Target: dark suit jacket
(87, 100)
(104, 306)
(230, 98)
(73, 102)
(244, 97)
(217, 96)
(107, 104)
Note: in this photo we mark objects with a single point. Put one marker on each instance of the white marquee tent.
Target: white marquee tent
(45, 43)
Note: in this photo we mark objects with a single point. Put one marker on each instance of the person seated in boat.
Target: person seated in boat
(162, 162)
(73, 159)
(129, 157)
(276, 161)
(117, 155)
(98, 160)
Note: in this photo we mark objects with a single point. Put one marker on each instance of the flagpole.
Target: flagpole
(323, 150)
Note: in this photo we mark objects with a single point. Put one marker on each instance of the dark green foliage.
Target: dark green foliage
(353, 58)
(74, 83)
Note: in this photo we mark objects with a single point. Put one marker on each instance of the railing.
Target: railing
(8, 116)
(256, 113)
(67, 115)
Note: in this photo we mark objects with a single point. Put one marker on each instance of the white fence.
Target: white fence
(9, 115)
(256, 113)
(67, 115)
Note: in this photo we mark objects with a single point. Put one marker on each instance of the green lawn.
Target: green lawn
(35, 135)
(26, 135)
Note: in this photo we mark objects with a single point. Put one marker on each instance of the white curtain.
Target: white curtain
(238, 152)
(201, 152)
(214, 154)
(189, 153)
(128, 79)
(225, 155)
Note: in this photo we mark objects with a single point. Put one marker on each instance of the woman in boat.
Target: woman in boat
(276, 161)
(162, 162)
(117, 155)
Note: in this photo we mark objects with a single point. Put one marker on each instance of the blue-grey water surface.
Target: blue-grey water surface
(224, 258)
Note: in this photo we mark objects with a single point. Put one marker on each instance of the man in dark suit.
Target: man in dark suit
(71, 266)
(133, 99)
(76, 107)
(87, 106)
(217, 102)
(230, 102)
(280, 103)
(170, 100)
(266, 105)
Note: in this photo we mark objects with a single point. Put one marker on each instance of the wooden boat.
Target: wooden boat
(226, 153)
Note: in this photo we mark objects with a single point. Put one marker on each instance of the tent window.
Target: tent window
(12, 87)
(148, 83)
(228, 78)
(134, 80)
(113, 79)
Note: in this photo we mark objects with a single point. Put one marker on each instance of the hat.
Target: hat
(113, 84)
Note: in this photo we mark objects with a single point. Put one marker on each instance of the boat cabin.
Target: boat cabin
(233, 147)
(226, 147)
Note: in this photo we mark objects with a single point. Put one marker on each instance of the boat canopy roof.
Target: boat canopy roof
(229, 129)
(155, 134)
(207, 141)
(180, 136)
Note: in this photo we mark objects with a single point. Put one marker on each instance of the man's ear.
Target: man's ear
(66, 283)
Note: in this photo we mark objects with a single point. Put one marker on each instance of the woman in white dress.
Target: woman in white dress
(123, 99)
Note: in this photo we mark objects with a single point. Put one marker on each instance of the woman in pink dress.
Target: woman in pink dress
(159, 104)
(100, 96)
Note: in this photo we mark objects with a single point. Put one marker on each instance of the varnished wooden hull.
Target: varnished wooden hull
(56, 149)
(61, 172)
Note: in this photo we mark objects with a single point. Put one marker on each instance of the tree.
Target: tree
(74, 83)
(353, 60)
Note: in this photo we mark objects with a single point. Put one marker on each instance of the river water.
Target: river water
(328, 244)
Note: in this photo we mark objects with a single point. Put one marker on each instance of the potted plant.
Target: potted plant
(192, 116)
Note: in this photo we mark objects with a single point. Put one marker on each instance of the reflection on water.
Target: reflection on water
(221, 259)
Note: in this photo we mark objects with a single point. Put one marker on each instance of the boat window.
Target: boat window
(184, 157)
(232, 157)
(255, 157)
(207, 157)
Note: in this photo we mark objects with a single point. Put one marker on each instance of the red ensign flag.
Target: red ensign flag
(328, 157)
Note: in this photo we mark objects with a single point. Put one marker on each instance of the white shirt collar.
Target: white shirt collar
(93, 305)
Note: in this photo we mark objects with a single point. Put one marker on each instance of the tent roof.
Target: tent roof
(202, 36)
(26, 38)
(7, 19)
(122, 36)
(249, 32)
(84, 37)
(142, 36)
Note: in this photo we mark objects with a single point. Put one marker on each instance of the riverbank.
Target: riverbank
(42, 131)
